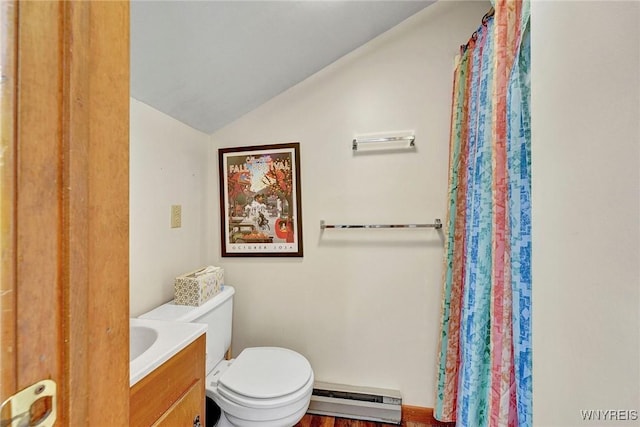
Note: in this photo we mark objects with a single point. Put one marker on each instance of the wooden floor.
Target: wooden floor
(322, 421)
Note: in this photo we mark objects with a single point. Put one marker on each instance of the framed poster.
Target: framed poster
(260, 206)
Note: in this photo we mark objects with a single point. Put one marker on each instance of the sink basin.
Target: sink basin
(140, 339)
(153, 342)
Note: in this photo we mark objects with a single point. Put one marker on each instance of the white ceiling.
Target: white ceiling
(206, 63)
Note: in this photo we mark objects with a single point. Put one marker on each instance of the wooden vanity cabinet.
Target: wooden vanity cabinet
(174, 393)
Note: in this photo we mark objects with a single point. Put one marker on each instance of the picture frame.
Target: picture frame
(260, 201)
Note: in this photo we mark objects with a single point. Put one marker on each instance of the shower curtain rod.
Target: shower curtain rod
(437, 225)
(474, 36)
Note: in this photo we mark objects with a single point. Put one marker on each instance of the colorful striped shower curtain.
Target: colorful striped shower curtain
(484, 371)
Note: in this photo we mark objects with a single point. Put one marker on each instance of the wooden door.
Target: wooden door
(64, 207)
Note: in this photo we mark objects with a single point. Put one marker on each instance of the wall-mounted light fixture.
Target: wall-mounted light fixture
(373, 143)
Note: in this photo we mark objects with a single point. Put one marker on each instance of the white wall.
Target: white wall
(586, 197)
(362, 305)
(169, 164)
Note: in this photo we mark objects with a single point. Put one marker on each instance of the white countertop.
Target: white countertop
(172, 337)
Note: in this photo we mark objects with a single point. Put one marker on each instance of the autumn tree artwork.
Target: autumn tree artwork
(260, 202)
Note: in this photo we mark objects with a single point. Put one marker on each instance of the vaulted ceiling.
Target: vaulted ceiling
(206, 63)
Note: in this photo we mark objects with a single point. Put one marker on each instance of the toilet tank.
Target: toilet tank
(216, 313)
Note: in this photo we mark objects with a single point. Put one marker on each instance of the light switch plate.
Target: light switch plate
(176, 216)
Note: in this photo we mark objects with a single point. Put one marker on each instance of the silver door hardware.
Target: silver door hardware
(23, 405)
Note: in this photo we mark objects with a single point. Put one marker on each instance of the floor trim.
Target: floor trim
(419, 414)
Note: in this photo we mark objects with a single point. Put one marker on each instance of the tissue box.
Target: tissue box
(199, 286)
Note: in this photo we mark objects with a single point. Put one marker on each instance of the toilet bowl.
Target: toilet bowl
(263, 386)
(266, 386)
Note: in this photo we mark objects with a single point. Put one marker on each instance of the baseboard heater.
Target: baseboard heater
(360, 403)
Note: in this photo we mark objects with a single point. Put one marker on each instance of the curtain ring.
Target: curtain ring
(487, 16)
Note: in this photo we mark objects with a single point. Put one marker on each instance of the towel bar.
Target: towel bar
(437, 225)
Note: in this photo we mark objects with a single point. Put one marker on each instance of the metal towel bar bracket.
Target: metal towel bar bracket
(437, 225)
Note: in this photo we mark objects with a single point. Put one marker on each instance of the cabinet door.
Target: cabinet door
(186, 409)
(154, 397)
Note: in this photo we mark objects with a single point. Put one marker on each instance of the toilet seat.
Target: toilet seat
(266, 377)
(238, 386)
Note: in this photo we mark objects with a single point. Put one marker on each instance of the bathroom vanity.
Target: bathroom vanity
(167, 373)
(172, 394)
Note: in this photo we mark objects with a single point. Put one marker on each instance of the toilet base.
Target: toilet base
(213, 412)
(223, 421)
(289, 421)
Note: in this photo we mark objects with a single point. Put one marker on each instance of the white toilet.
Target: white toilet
(263, 386)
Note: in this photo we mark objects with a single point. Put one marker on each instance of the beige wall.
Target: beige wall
(586, 196)
(169, 166)
(362, 305)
